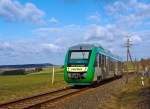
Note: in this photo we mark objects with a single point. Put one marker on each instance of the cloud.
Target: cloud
(13, 10)
(53, 20)
(6, 48)
(136, 38)
(130, 13)
(68, 34)
(97, 32)
(109, 36)
(95, 17)
(129, 6)
(28, 47)
(51, 47)
(73, 34)
(51, 43)
(45, 31)
(117, 6)
(29, 51)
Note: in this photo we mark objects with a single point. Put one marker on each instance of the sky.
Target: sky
(41, 31)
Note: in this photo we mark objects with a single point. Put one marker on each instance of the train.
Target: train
(88, 63)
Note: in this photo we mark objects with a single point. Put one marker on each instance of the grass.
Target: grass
(12, 87)
(129, 96)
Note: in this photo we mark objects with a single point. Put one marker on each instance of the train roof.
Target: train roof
(85, 47)
(98, 47)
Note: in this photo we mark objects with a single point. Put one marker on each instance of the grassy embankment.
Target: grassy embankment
(12, 87)
(130, 96)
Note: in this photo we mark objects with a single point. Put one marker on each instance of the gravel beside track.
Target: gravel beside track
(91, 99)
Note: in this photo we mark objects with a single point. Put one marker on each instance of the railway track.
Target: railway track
(20, 103)
(43, 98)
(38, 101)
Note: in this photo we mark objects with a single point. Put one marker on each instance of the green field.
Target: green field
(13, 87)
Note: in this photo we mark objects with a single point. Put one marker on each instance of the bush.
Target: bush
(38, 69)
(14, 72)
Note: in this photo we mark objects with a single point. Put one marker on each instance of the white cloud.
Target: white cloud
(117, 6)
(109, 36)
(6, 46)
(57, 40)
(74, 34)
(53, 20)
(129, 6)
(103, 33)
(136, 38)
(47, 30)
(130, 13)
(95, 17)
(51, 47)
(67, 35)
(28, 47)
(13, 10)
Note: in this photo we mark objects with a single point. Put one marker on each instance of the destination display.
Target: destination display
(77, 69)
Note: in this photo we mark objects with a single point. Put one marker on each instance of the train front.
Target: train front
(77, 68)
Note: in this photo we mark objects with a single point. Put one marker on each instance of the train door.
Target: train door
(96, 68)
(103, 67)
(100, 73)
(97, 65)
(111, 67)
(120, 68)
(107, 66)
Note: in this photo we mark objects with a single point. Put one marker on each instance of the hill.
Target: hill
(26, 66)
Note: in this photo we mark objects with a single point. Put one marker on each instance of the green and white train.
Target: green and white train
(86, 63)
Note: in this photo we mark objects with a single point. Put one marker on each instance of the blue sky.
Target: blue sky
(40, 31)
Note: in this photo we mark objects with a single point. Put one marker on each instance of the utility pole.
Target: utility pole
(128, 45)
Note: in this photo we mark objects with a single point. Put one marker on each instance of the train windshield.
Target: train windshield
(79, 57)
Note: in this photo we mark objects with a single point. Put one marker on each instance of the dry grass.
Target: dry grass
(129, 96)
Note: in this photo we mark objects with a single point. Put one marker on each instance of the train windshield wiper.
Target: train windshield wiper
(83, 54)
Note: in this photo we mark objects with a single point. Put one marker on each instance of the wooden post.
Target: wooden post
(137, 68)
(142, 81)
(127, 73)
(53, 75)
